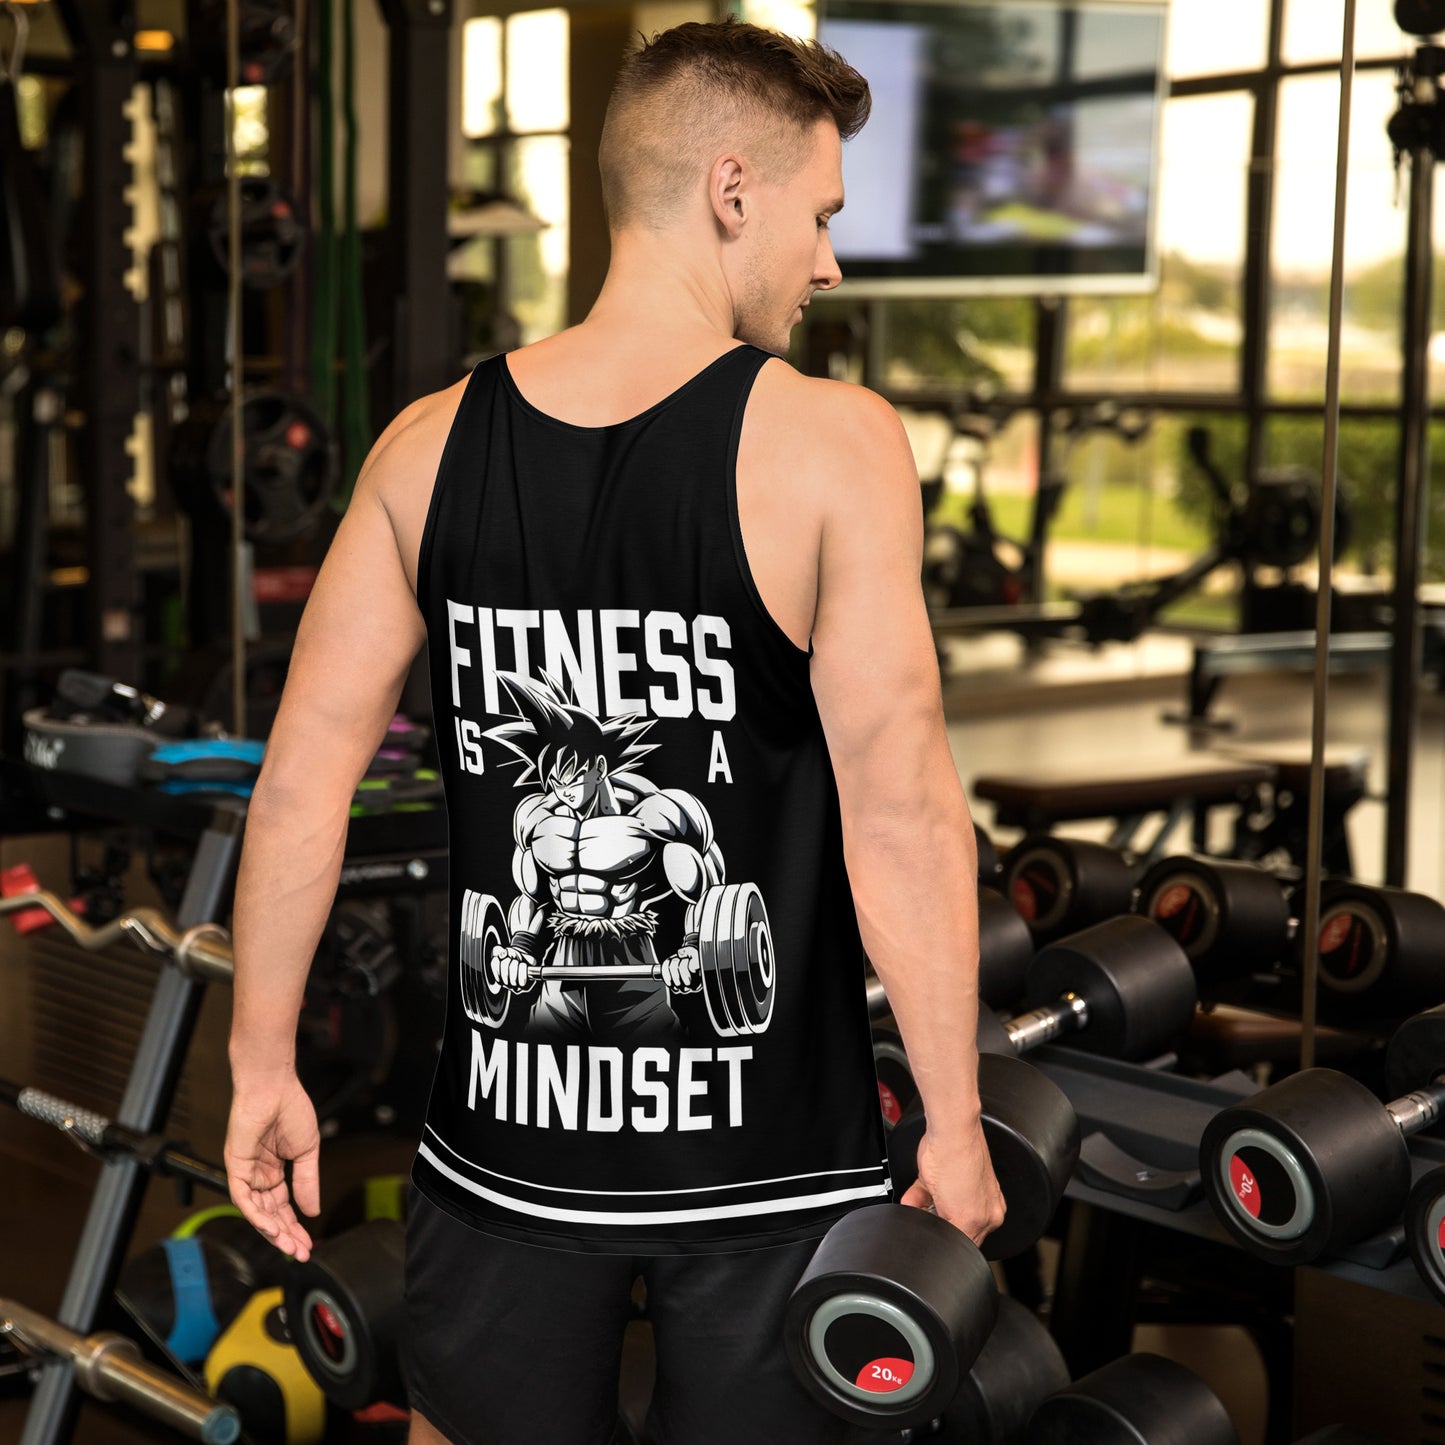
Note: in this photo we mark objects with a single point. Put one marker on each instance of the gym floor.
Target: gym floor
(1093, 711)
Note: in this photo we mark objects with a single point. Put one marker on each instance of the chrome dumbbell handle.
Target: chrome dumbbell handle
(1042, 1025)
(1419, 1110)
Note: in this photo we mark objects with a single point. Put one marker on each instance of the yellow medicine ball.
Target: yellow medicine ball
(255, 1367)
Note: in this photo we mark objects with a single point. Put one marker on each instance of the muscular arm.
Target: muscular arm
(357, 639)
(907, 837)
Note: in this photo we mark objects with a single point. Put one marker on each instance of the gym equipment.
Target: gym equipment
(348, 1313)
(896, 1304)
(1005, 947)
(289, 463)
(894, 1307)
(1019, 1367)
(1316, 1162)
(29, 259)
(255, 1367)
(1379, 947)
(1122, 988)
(1041, 799)
(1140, 1399)
(271, 236)
(182, 1295)
(382, 1196)
(267, 40)
(1425, 1230)
(1060, 885)
(896, 1089)
(1032, 1135)
(988, 862)
(735, 946)
(109, 1367)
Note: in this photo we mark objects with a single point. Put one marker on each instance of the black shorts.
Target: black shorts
(518, 1344)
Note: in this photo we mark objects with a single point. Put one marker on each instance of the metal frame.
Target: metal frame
(109, 391)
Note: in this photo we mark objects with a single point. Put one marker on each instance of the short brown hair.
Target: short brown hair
(699, 85)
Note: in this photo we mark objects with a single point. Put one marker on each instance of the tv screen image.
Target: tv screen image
(1013, 145)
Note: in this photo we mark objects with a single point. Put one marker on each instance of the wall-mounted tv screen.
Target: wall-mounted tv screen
(1013, 145)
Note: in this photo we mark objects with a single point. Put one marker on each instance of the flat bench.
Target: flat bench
(1038, 801)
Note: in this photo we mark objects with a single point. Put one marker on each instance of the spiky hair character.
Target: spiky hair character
(554, 733)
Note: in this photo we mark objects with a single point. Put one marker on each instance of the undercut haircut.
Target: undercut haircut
(698, 89)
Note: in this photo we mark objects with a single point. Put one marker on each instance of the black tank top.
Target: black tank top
(645, 836)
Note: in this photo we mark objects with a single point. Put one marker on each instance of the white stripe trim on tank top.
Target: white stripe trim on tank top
(656, 1216)
(880, 1167)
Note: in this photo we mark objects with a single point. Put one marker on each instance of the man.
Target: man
(646, 517)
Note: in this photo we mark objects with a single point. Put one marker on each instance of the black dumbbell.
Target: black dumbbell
(347, 1313)
(1139, 1399)
(1425, 1229)
(1231, 919)
(1020, 1367)
(1122, 988)
(1060, 885)
(896, 1089)
(1032, 1134)
(896, 1304)
(1316, 1161)
(1005, 948)
(1377, 946)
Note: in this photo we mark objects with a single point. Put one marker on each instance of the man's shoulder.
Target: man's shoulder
(838, 419)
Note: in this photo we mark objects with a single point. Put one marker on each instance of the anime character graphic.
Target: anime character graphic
(596, 845)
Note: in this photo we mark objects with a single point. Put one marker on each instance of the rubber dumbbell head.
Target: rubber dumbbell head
(1019, 1368)
(348, 1314)
(1425, 1230)
(1060, 885)
(896, 1089)
(1316, 1162)
(1032, 1133)
(1005, 950)
(1379, 951)
(989, 867)
(1231, 919)
(890, 1314)
(1140, 1399)
(1122, 988)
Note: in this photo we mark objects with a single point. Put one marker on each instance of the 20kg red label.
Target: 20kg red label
(885, 1375)
(1246, 1187)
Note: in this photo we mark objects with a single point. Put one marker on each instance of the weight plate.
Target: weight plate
(1354, 950)
(717, 983)
(348, 1312)
(1309, 1165)
(1416, 1052)
(1005, 950)
(896, 1089)
(1230, 918)
(484, 928)
(891, 1312)
(1020, 1366)
(1140, 1399)
(1425, 1230)
(1032, 1134)
(1135, 979)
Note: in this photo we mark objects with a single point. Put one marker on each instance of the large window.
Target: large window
(1234, 338)
(515, 117)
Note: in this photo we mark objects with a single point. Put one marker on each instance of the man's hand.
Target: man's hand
(510, 966)
(682, 973)
(956, 1181)
(272, 1121)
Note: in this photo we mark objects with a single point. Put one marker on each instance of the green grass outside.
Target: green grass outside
(1123, 515)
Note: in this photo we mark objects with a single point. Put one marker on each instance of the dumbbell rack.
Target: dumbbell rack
(383, 851)
(1117, 1235)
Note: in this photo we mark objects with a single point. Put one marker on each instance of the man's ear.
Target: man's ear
(728, 191)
